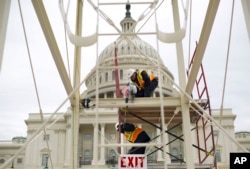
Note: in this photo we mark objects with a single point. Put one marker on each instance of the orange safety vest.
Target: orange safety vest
(141, 81)
(132, 136)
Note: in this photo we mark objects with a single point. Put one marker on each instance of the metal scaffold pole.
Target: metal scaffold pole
(77, 74)
(184, 104)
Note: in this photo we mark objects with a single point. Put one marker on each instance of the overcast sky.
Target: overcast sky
(17, 92)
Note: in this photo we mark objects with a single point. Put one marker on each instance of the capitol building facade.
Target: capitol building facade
(53, 146)
(56, 143)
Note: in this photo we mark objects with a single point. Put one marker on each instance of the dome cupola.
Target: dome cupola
(128, 22)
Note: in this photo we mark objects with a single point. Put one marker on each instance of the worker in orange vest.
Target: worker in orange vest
(144, 82)
(134, 135)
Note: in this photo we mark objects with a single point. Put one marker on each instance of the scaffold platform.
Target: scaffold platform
(150, 109)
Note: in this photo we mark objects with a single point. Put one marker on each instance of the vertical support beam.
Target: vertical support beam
(159, 140)
(117, 92)
(96, 123)
(102, 152)
(182, 81)
(116, 73)
(164, 136)
(77, 75)
(4, 16)
(95, 143)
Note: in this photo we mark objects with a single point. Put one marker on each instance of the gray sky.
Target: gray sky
(17, 92)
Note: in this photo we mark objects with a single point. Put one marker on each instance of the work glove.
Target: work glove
(132, 89)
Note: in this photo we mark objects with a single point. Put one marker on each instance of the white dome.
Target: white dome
(135, 46)
(132, 52)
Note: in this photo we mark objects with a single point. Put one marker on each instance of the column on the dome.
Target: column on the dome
(95, 144)
(67, 145)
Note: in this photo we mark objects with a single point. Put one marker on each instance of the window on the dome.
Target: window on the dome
(121, 74)
(106, 76)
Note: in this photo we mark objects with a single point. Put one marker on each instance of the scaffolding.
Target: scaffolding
(165, 110)
(161, 110)
(177, 110)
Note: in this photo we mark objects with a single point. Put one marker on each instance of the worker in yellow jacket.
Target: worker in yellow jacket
(144, 82)
(134, 135)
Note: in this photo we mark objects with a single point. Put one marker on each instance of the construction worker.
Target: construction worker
(134, 135)
(144, 82)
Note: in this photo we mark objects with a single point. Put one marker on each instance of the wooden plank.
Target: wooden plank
(149, 109)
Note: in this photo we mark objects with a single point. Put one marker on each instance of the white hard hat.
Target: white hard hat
(130, 72)
(117, 126)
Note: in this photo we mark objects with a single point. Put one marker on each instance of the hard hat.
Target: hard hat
(130, 72)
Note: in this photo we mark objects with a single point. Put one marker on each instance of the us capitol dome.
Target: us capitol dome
(131, 52)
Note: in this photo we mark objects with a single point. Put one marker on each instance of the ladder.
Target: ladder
(204, 131)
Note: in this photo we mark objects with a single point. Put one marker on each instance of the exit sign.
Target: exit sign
(132, 161)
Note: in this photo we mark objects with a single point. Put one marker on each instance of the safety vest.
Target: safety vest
(132, 136)
(140, 79)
